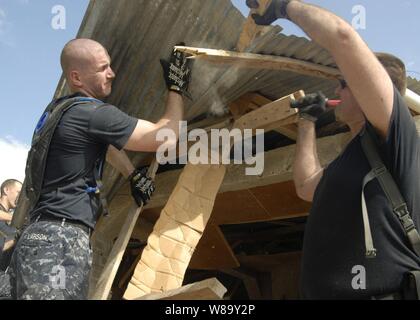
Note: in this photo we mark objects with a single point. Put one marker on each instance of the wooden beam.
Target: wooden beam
(250, 31)
(252, 101)
(277, 168)
(269, 115)
(106, 279)
(265, 203)
(210, 289)
(213, 251)
(250, 282)
(413, 100)
(246, 103)
(259, 61)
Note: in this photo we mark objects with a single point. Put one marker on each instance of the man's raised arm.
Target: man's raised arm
(364, 74)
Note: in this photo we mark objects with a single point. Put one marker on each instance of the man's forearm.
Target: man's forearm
(306, 163)
(322, 26)
(5, 216)
(174, 112)
(120, 161)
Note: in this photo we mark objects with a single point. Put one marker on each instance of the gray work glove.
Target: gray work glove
(177, 72)
(142, 187)
(276, 10)
(311, 107)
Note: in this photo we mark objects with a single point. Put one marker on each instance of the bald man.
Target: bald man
(53, 258)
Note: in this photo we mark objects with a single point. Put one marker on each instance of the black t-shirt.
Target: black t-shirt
(334, 236)
(82, 136)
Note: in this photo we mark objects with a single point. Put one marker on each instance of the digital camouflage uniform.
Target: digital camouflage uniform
(60, 257)
(5, 288)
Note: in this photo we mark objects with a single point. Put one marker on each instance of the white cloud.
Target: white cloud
(13, 156)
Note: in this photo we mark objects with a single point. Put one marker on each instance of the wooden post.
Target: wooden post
(106, 279)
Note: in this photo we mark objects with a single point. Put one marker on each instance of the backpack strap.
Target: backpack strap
(391, 190)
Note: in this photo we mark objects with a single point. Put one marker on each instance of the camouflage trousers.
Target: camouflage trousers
(5, 288)
(51, 262)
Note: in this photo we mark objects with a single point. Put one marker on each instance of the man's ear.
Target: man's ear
(75, 78)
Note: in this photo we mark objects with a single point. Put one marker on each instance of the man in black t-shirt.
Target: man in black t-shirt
(335, 264)
(52, 259)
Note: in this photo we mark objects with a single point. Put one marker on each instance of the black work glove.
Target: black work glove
(276, 10)
(177, 72)
(142, 187)
(311, 107)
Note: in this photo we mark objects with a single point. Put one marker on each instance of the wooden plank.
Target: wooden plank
(269, 115)
(246, 103)
(210, 289)
(259, 61)
(177, 231)
(265, 203)
(254, 101)
(250, 31)
(213, 251)
(239, 107)
(250, 283)
(106, 279)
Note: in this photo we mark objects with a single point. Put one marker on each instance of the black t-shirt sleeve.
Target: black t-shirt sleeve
(401, 149)
(111, 126)
(401, 146)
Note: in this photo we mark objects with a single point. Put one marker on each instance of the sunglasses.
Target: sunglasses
(343, 83)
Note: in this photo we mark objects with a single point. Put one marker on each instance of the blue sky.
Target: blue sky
(30, 48)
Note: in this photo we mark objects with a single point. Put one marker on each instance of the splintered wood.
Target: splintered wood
(260, 61)
(272, 115)
(177, 232)
(250, 30)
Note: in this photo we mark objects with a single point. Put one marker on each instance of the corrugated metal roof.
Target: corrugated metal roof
(138, 33)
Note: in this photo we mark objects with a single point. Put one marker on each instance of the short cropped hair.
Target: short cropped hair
(7, 184)
(396, 70)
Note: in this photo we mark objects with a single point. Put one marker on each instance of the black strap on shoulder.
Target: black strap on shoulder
(390, 189)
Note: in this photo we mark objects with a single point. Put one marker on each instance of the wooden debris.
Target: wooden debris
(210, 289)
(251, 31)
